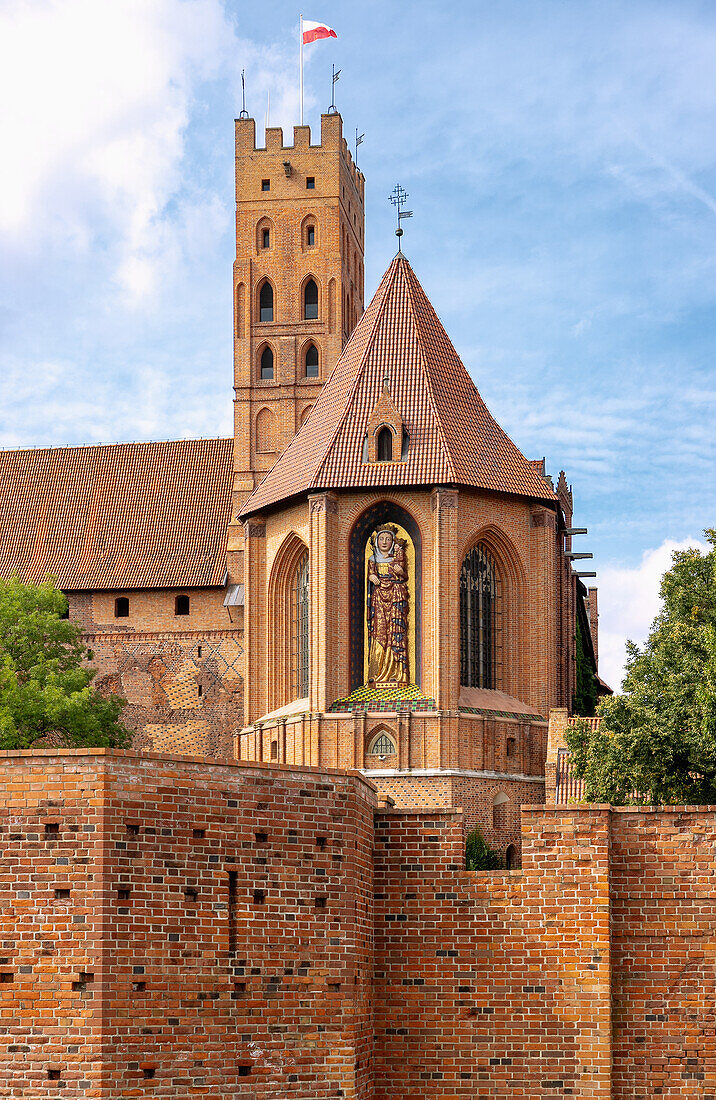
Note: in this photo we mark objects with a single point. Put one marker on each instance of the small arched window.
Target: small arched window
(382, 745)
(181, 605)
(266, 302)
(121, 607)
(312, 361)
(310, 301)
(384, 445)
(267, 363)
(511, 859)
(478, 599)
(499, 811)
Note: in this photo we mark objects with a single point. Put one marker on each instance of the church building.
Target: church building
(370, 575)
(348, 636)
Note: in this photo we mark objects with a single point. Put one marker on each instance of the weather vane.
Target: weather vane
(333, 110)
(244, 112)
(399, 197)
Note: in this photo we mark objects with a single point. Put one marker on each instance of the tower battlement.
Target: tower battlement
(332, 141)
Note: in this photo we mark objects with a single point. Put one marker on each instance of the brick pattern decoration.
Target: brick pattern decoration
(175, 927)
(184, 691)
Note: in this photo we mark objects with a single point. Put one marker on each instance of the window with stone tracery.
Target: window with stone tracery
(478, 612)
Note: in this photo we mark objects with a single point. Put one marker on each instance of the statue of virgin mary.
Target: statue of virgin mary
(388, 608)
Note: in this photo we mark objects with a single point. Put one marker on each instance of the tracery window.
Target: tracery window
(478, 604)
(382, 745)
(301, 665)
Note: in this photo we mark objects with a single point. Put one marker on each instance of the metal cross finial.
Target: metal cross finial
(399, 197)
(244, 112)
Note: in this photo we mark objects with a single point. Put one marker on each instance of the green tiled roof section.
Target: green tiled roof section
(384, 698)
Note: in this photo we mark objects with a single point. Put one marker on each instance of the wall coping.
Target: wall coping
(168, 758)
(421, 773)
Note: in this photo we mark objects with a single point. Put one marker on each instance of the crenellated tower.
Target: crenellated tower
(298, 289)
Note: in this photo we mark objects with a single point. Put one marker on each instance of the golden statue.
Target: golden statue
(388, 608)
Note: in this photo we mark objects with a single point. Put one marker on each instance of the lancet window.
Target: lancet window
(478, 611)
(301, 669)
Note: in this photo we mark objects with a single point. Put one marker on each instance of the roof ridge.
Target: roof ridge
(113, 443)
(385, 281)
(428, 377)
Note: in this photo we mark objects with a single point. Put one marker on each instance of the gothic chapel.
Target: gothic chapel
(369, 575)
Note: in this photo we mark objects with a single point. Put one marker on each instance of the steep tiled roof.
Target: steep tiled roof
(123, 515)
(453, 437)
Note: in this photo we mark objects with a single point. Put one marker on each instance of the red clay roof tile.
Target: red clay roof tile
(123, 515)
(452, 436)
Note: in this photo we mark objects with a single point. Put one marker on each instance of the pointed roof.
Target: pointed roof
(453, 439)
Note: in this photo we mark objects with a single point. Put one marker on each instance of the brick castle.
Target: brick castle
(346, 637)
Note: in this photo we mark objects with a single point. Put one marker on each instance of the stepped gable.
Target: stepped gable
(453, 439)
(123, 515)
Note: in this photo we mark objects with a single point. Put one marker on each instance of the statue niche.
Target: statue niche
(385, 582)
(388, 608)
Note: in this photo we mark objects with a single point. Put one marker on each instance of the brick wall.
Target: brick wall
(216, 940)
(176, 927)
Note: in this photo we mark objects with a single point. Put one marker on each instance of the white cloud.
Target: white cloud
(629, 602)
(100, 97)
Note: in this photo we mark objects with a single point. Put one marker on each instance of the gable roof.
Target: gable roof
(453, 439)
(123, 515)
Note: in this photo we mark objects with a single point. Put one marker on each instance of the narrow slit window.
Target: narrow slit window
(310, 183)
(312, 361)
(310, 301)
(265, 185)
(310, 236)
(267, 364)
(266, 302)
(265, 238)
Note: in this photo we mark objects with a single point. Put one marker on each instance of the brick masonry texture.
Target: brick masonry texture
(178, 926)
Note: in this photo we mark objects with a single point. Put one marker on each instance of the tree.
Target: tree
(657, 740)
(478, 854)
(45, 685)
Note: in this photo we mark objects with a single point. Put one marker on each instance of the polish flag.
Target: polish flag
(313, 31)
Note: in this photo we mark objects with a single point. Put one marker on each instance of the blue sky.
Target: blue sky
(562, 172)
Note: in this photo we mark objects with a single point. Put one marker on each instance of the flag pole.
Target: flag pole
(300, 64)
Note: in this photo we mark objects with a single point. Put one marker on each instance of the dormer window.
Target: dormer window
(384, 445)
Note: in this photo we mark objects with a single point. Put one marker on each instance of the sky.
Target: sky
(561, 168)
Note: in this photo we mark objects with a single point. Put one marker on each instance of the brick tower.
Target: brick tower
(298, 289)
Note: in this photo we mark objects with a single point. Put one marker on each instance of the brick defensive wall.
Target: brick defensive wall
(175, 927)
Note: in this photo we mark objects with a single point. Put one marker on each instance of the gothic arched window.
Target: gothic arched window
(312, 361)
(301, 663)
(267, 363)
(384, 445)
(478, 598)
(310, 300)
(266, 302)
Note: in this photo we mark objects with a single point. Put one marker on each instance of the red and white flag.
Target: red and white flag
(313, 31)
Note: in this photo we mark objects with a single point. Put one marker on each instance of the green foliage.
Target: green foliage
(478, 854)
(658, 737)
(45, 685)
(585, 695)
